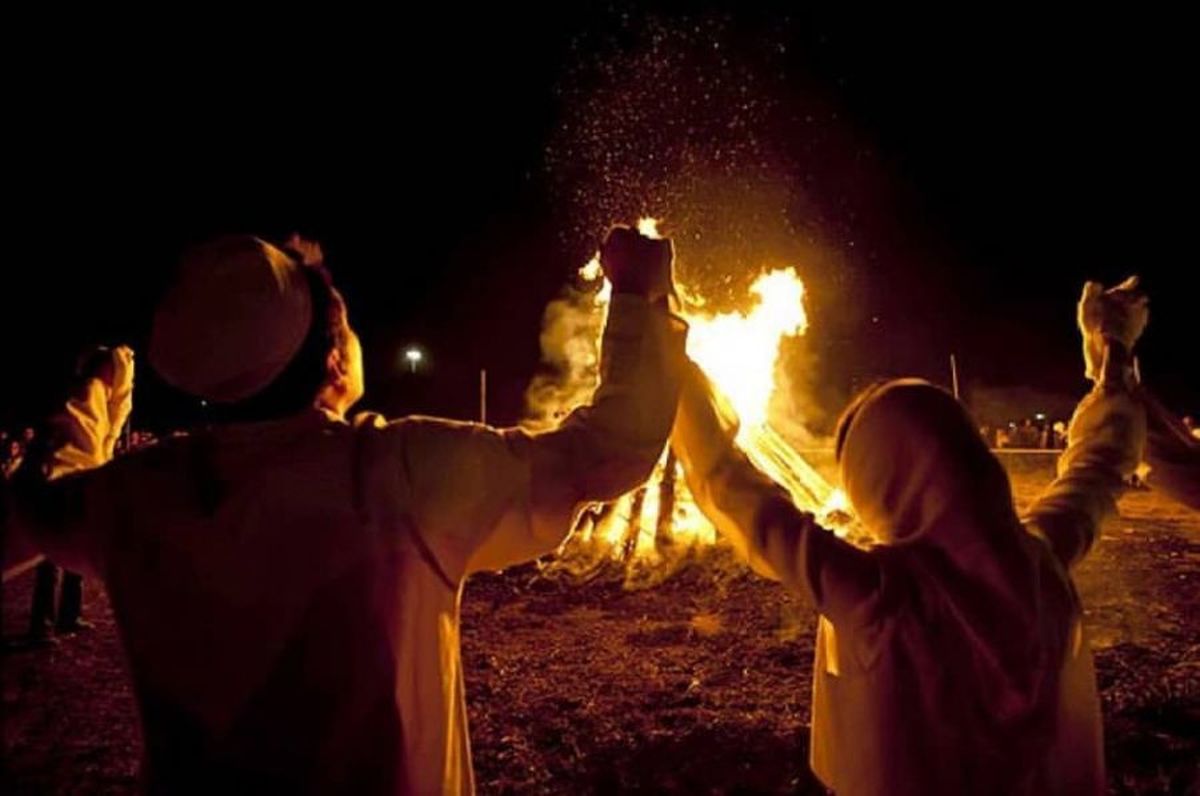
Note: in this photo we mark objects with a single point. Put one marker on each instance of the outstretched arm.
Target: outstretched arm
(758, 516)
(1107, 432)
(484, 498)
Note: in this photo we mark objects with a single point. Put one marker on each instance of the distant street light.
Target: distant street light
(413, 356)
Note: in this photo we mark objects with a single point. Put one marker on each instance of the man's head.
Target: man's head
(326, 372)
(911, 458)
(256, 334)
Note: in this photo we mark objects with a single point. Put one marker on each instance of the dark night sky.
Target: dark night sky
(1011, 158)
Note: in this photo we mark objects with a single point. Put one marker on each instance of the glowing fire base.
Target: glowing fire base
(649, 534)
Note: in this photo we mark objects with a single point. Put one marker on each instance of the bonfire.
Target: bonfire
(652, 531)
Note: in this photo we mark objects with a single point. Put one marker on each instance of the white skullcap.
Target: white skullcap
(235, 316)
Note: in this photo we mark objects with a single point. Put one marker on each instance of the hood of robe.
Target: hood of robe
(924, 483)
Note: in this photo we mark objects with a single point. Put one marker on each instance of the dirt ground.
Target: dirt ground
(700, 685)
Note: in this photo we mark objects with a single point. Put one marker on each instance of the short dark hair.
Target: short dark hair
(297, 386)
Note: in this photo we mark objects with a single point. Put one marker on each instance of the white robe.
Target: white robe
(288, 591)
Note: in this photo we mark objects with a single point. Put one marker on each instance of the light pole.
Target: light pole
(413, 356)
(483, 396)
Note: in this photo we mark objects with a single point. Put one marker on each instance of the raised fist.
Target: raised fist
(637, 264)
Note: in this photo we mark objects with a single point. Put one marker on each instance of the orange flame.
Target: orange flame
(739, 350)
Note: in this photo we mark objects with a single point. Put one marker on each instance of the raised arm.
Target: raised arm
(484, 498)
(1107, 432)
(53, 505)
(758, 516)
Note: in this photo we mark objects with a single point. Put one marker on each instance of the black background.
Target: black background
(1016, 154)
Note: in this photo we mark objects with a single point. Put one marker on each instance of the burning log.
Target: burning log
(664, 539)
(633, 528)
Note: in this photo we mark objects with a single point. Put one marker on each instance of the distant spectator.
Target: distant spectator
(44, 615)
(1027, 435)
(1060, 434)
(93, 372)
(13, 456)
